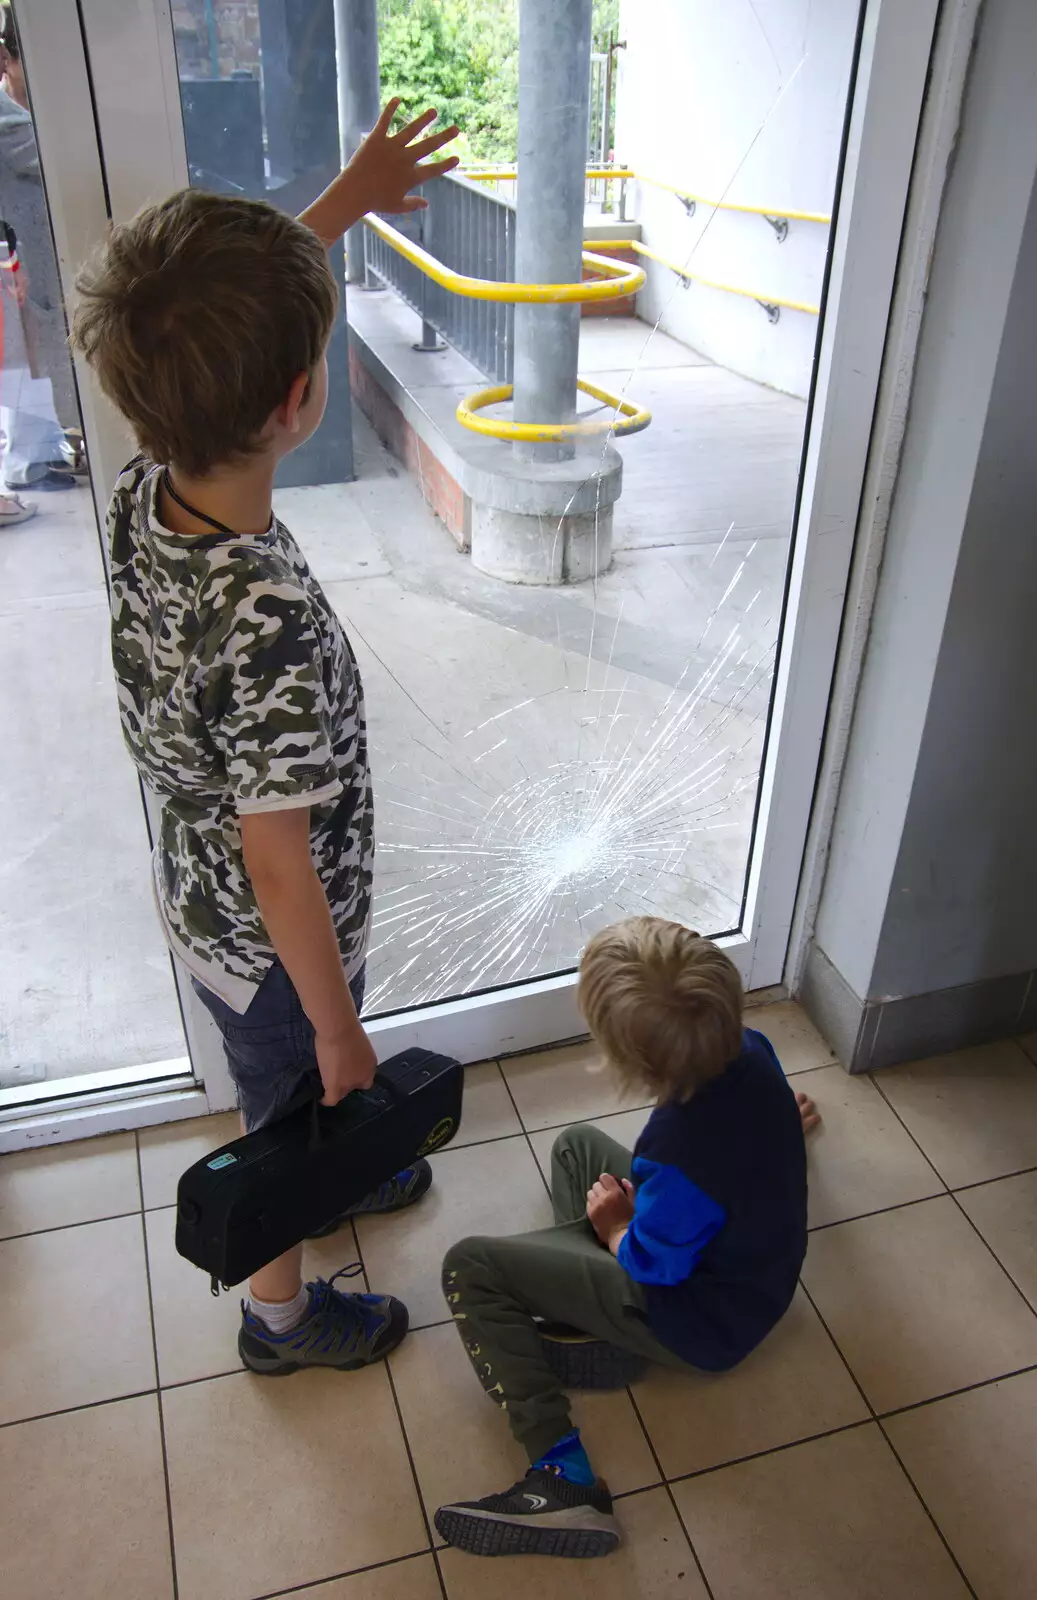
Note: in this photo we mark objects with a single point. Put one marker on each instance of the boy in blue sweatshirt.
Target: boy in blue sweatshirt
(686, 1252)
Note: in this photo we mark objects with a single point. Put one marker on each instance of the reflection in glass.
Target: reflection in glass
(85, 983)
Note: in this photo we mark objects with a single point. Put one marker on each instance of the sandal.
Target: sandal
(13, 511)
(50, 479)
(73, 453)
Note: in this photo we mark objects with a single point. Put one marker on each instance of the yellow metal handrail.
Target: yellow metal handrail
(617, 278)
(709, 283)
(635, 417)
(508, 174)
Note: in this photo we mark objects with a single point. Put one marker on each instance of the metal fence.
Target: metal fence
(472, 231)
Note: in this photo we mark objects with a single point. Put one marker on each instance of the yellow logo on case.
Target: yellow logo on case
(440, 1134)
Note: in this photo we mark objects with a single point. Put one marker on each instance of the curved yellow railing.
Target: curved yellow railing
(634, 417)
(709, 283)
(617, 278)
(506, 174)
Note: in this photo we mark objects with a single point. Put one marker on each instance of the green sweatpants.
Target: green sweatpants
(496, 1287)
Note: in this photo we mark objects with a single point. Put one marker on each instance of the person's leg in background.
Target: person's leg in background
(33, 437)
(55, 364)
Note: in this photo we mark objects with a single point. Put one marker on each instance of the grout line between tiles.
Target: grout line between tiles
(414, 1475)
(952, 1394)
(983, 1183)
(876, 1419)
(63, 1227)
(989, 1247)
(158, 1391)
(880, 1211)
(821, 1066)
(87, 1405)
(664, 1481)
(206, 1377)
(943, 1539)
(773, 1450)
(918, 1146)
(953, 1195)
(1018, 1038)
(595, 1116)
(352, 1572)
(525, 1130)
(476, 1144)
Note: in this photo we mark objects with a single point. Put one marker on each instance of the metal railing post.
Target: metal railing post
(359, 97)
(430, 340)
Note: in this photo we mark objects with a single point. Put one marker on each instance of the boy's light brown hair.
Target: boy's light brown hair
(664, 1004)
(197, 316)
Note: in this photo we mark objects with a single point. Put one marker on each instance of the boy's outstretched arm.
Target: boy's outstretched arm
(294, 908)
(381, 175)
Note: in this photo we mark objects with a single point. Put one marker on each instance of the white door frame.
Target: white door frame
(139, 125)
(60, 83)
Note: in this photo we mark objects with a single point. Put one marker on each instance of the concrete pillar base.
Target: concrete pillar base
(518, 548)
(545, 522)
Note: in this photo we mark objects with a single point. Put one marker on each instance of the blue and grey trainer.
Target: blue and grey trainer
(345, 1331)
(394, 1194)
(544, 1515)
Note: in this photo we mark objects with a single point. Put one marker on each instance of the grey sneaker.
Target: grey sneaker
(345, 1331)
(544, 1515)
(394, 1194)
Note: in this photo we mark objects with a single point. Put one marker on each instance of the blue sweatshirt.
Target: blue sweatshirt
(720, 1217)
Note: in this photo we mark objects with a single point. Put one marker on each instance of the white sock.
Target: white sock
(281, 1316)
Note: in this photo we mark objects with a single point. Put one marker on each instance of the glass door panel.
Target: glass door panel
(86, 988)
(552, 756)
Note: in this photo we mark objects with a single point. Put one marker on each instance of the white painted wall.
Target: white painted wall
(743, 101)
(931, 870)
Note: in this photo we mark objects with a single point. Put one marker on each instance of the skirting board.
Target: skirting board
(869, 1034)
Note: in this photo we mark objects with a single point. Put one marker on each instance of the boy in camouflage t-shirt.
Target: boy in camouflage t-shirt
(207, 320)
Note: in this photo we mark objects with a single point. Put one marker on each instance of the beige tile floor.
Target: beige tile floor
(881, 1444)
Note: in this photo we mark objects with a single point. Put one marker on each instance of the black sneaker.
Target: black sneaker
(579, 1361)
(544, 1515)
(346, 1331)
(394, 1194)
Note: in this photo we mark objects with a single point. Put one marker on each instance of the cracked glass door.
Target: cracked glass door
(634, 725)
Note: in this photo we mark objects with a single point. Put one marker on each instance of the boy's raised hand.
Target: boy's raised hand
(610, 1209)
(388, 166)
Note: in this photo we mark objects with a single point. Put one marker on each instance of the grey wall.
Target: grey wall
(927, 924)
(963, 901)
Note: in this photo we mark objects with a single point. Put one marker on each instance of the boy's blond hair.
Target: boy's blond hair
(664, 1004)
(198, 316)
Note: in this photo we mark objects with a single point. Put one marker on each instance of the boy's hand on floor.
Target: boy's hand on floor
(347, 1061)
(610, 1209)
(809, 1115)
(388, 166)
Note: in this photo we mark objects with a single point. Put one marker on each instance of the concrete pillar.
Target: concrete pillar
(554, 91)
(359, 97)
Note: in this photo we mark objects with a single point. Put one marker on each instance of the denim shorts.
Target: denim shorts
(269, 1047)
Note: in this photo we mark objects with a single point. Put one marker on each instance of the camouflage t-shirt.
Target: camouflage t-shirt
(238, 693)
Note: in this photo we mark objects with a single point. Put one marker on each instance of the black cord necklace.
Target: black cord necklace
(192, 511)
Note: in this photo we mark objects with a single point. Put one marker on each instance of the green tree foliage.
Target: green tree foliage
(462, 57)
(605, 23)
